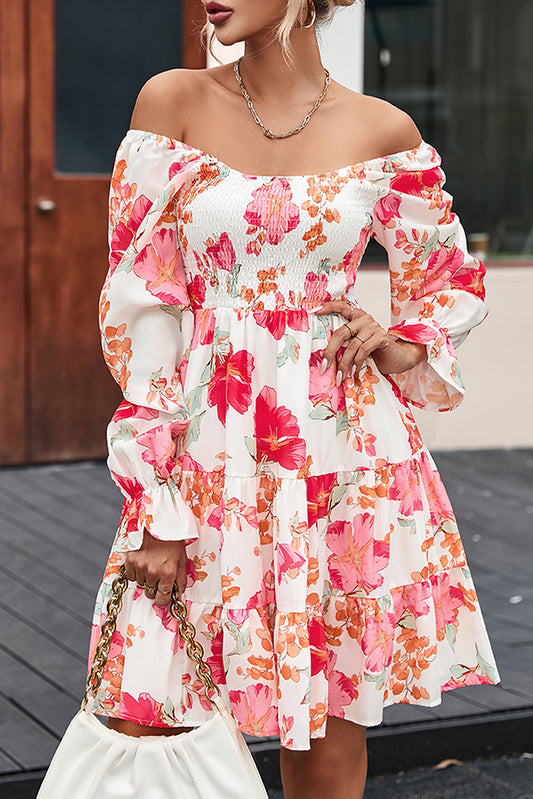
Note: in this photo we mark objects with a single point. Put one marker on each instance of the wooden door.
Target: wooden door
(13, 439)
(87, 61)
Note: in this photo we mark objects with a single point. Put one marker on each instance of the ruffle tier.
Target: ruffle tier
(334, 594)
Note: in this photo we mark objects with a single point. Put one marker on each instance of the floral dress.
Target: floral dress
(326, 575)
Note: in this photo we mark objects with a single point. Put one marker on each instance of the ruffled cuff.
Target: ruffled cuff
(436, 383)
(161, 511)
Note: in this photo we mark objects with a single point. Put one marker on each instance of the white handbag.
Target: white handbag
(209, 762)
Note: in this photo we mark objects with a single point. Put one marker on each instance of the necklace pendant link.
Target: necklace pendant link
(266, 131)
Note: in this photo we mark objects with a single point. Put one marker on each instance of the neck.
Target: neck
(264, 69)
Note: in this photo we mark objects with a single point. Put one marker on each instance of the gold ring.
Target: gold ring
(359, 337)
(159, 591)
(352, 334)
(150, 590)
(141, 586)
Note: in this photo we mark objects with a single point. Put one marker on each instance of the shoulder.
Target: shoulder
(164, 102)
(389, 129)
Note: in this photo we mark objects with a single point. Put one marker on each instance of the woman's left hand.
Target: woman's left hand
(362, 336)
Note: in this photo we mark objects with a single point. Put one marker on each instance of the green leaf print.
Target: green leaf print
(174, 310)
(232, 281)
(431, 244)
(291, 350)
(341, 423)
(194, 399)
(336, 496)
(321, 412)
(251, 446)
(408, 522)
(379, 679)
(193, 430)
(485, 668)
(451, 634)
(243, 643)
(407, 620)
(125, 433)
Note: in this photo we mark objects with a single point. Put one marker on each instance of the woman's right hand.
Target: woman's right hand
(158, 565)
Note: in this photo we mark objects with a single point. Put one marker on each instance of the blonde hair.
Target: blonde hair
(297, 13)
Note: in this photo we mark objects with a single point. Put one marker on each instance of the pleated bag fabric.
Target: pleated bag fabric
(92, 761)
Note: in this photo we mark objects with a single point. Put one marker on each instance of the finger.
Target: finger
(164, 594)
(338, 339)
(129, 566)
(343, 307)
(150, 591)
(348, 357)
(181, 576)
(365, 349)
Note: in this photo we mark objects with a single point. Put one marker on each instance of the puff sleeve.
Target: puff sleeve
(437, 293)
(143, 325)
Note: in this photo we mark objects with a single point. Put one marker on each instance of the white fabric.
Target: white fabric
(210, 762)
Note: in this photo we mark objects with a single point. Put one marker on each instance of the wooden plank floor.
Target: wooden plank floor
(56, 526)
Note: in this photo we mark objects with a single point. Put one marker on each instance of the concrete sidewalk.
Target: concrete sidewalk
(56, 527)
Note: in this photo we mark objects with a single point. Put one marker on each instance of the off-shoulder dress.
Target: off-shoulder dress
(326, 575)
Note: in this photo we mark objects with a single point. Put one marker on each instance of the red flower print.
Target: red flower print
(439, 503)
(411, 599)
(357, 558)
(277, 432)
(470, 280)
(130, 487)
(406, 489)
(160, 264)
(277, 321)
(231, 383)
(271, 213)
(387, 209)
(447, 600)
(341, 692)
(215, 659)
(319, 489)
(377, 642)
(352, 259)
(204, 328)
(316, 288)
(144, 710)
(196, 290)
(126, 410)
(222, 253)
(323, 389)
(317, 646)
(416, 183)
(289, 560)
(160, 447)
(124, 231)
(441, 265)
(414, 331)
(254, 710)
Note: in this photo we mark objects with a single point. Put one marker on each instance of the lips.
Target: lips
(217, 12)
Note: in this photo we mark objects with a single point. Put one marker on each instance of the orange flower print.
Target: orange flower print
(271, 214)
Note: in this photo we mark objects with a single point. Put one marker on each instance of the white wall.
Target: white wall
(496, 362)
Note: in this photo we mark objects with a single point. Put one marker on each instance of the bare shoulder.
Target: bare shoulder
(386, 127)
(164, 102)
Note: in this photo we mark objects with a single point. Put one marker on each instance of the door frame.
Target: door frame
(13, 354)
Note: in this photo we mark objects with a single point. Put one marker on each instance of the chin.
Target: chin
(226, 38)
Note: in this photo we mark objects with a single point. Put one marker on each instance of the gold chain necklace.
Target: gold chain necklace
(267, 132)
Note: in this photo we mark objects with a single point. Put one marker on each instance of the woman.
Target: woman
(270, 463)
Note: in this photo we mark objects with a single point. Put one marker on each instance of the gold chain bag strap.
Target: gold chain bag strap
(186, 630)
(211, 761)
